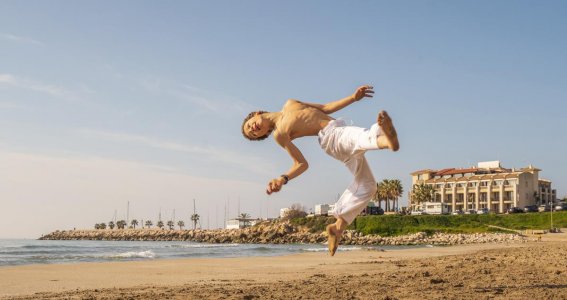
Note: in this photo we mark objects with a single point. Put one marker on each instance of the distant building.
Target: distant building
(240, 223)
(284, 211)
(435, 208)
(486, 186)
(322, 209)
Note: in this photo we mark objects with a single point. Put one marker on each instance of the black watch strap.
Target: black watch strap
(286, 178)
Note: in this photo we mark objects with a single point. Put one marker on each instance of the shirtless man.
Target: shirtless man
(345, 143)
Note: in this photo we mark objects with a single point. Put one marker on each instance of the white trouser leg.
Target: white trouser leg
(356, 197)
(348, 144)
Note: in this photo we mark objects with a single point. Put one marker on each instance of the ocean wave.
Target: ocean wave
(262, 249)
(325, 249)
(133, 254)
(203, 246)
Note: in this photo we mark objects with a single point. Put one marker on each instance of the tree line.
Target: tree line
(122, 224)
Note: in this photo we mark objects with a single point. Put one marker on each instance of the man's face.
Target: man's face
(256, 127)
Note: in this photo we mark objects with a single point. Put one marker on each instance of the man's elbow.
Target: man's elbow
(328, 109)
(303, 166)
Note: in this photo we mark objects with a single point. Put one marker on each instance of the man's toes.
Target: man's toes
(380, 119)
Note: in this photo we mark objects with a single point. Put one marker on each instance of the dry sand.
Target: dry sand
(533, 270)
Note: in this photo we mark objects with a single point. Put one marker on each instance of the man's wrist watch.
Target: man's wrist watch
(285, 178)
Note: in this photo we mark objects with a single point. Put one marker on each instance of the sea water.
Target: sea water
(24, 252)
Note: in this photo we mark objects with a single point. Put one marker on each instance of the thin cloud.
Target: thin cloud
(208, 101)
(209, 152)
(20, 39)
(32, 85)
(12, 105)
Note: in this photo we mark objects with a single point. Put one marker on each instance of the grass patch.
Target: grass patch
(315, 224)
(393, 225)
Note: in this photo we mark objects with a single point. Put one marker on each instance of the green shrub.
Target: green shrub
(390, 225)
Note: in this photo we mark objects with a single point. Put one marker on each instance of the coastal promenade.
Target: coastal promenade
(531, 270)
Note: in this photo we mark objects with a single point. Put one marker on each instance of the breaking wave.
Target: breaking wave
(133, 254)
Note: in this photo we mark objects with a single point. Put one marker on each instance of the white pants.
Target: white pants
(348, 144)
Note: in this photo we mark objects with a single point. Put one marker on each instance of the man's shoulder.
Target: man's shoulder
(281, 136)
(293, 104)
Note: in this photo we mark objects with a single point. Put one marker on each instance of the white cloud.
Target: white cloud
(20, 39)
(209, 101)
(208, 152)
(27, 84)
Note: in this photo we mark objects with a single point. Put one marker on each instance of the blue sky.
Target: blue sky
(107, 102)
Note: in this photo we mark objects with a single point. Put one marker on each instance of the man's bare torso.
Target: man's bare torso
(299, 120)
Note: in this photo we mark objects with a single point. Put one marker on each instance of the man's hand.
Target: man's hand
(275, 186)
(363, 91)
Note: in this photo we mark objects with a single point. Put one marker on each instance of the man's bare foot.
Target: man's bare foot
(333, 242)
(389, 138)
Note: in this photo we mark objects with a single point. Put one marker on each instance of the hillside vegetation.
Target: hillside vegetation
(393, 225)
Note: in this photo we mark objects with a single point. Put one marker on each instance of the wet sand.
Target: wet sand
(533, 270)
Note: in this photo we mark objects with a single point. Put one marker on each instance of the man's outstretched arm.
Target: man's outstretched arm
(299, 164)
(331, 107)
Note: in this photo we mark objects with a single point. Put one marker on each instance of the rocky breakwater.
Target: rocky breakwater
(277, 233)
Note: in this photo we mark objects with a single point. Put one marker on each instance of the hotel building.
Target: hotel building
(486, 186)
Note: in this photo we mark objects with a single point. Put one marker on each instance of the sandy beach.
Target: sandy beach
(536, 270)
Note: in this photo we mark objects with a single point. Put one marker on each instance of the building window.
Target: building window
(495, 196)
(471, 197)
(507, 196)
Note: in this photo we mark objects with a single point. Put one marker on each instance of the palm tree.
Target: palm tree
(134, 223)
(382, 193)
(111, 225)
(195, 219)
(422, 193)
(102, 226)
(160, 224)
(121, 224)
(245, 217)
(388, 193)
(149, 223)
(170, 224)
(395, 190)
(180, 224)
(376, 197)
